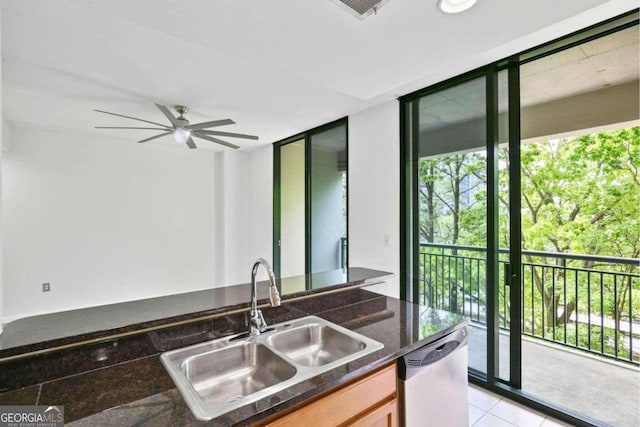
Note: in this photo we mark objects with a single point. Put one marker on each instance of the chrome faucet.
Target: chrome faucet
(257, 324)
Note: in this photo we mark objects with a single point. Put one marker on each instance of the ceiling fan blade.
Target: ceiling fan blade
(229, 134)
(216, 140)
(168, 115)
(204, 125)
(157, 136)
(132, 118)
(191, 144)
(119, 127)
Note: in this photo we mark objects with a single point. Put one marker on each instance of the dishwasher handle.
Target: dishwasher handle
(432, 353)
(435, 354)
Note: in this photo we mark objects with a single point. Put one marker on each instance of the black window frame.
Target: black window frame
(409, 244)
(306, 137)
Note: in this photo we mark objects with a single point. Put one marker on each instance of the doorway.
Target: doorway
(310, 206)
(518, 210)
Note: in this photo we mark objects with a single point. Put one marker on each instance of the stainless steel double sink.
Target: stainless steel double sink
(218, 376)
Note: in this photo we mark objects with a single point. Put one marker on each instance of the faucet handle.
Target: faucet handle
(262, 323)
(274, 296)
(257, 324)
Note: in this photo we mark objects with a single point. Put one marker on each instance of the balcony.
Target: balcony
(580, 323)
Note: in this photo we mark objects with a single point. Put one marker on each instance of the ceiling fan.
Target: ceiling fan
(182, 130)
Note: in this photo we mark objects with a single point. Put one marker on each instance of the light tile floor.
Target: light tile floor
(487, 409)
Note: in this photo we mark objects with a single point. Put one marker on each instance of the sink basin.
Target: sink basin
(229, 374)
(315, 344)
(218, 376)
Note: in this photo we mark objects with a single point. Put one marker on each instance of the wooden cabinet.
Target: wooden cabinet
(365, 402)
(384, 416)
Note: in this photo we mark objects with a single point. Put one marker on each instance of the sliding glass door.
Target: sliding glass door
(451, 199)
(310, 206)
(292, 237)
(328, 199)
(520, 209)
(457, 166)
(580, 197)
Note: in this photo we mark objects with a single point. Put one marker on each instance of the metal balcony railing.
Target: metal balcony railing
(590, 303)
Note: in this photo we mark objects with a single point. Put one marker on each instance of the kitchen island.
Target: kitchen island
(122, 382)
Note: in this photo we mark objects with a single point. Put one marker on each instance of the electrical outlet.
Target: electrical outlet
(46, 287)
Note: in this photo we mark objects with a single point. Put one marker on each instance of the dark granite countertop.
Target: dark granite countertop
(122, 382)
(46, 331)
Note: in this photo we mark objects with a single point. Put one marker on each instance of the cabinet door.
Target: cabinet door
(384, 416)
(339, 407)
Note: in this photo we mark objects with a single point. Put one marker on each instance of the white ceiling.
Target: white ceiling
(276, 67)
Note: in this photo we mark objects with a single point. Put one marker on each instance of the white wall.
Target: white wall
(374, 203)
(244, 213)
(260, 226)
(235, 203)
(179, 212)
(260, 210)
(374, 188)
(103, 221)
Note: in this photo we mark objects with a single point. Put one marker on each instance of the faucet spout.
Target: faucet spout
(257, 324)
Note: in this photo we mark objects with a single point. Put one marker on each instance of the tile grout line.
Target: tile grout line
(506, 421)
(500, 399)
(544, 417)
(494, 415)
(525, 408)
(486, 393)
(478, 420)
(479, 409)
(495, 404)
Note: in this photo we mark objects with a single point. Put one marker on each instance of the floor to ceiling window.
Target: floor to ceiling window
(291, 242)
(451, 189)
(521, 210)
(580, 197)
(310, 206)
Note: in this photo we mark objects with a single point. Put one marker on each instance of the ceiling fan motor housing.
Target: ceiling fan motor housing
(181, 110)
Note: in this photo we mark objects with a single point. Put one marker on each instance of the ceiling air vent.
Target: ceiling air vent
(362, 8)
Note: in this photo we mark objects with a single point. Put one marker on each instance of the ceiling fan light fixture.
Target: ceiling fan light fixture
(455, 6)
(181, 135)
(182, 131)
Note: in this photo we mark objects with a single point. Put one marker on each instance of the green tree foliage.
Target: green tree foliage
(582, 195)
(450, 188)
(579, 196)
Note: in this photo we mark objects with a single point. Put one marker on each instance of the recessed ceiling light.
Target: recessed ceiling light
(455, 6)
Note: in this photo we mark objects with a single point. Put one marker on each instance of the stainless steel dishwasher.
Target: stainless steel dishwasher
(433, 383)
